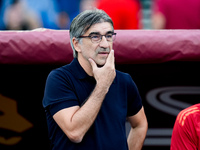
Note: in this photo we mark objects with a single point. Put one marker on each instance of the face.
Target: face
(97, 51)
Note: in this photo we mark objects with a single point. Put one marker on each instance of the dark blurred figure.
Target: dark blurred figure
(68, 9)
(18, 17)
(1, 15)
(47, 10)
(176, 14)
(124, 13)
(63, 20)
(55, 14)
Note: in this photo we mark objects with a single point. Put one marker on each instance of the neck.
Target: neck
(85, 64)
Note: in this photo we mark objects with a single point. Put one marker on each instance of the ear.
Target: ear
(76, 44)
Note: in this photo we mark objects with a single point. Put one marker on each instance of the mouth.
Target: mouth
(103, 53)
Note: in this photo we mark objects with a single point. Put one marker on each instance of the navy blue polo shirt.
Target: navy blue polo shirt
(69, 86)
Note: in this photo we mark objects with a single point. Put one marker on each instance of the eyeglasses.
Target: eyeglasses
(96, 37)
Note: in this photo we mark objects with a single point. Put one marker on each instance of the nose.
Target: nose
(104, 43)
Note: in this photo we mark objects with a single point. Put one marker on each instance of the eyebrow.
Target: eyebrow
(99, 33)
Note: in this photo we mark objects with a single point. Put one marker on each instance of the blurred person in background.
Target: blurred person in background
(176, 14)
(186, 131)
(2, 26)
(124, 13)
(55, 14)
(68, 10)
(17, 16)
(47, 10)
(63, 20)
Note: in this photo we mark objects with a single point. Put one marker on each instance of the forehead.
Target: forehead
(101, 28)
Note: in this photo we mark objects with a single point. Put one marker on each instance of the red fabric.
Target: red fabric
(180, 14)
(131, 46)
(124, 13)
(186, 131)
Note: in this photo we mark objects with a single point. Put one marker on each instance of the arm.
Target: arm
(138, 130)
(75, 121)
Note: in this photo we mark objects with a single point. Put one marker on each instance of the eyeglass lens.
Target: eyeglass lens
(98, 37)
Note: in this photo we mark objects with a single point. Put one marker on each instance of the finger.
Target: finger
(93, 64)
(110, 58)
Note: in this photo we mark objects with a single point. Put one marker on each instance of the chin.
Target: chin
(100, 66)
(101, 63)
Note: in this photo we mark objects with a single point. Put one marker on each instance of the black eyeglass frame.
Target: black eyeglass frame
(90, 36)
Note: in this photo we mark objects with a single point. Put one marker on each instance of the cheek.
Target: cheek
(89, 51)
(111, 46)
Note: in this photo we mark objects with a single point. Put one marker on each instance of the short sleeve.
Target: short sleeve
(59, 92)
(134, 98)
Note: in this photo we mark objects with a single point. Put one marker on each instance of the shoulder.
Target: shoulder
(122, 75)
(124, 78)
(60, 75)
(188, 114)
(63, 70)
(186, 128)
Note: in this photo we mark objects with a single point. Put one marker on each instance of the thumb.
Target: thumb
(93, 64)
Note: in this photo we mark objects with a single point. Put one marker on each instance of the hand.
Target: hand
(105, 75)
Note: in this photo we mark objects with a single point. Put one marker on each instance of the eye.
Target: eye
(95, 36)
(109, 36)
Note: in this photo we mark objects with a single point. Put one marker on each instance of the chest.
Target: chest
(115, 102)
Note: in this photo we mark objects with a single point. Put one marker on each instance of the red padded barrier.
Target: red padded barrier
(45, 46)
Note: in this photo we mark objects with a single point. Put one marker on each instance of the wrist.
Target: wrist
(103, 88)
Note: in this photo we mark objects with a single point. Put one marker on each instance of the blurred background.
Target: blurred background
(126, 14)
(58, 14)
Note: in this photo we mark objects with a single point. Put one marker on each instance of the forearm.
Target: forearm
(84, 117)
(136, 138)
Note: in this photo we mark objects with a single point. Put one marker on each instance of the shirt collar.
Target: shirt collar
(77, 70)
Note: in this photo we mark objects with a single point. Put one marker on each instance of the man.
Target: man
(186, 131)
(87, 102)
